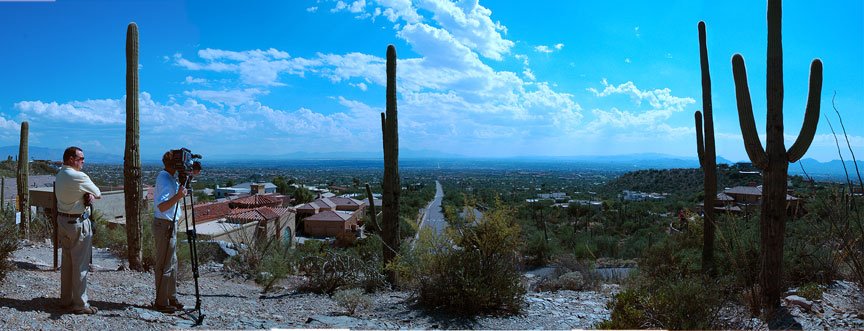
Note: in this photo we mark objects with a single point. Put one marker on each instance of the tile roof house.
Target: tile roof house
(333, 207)
(330, 223)
(748, 198)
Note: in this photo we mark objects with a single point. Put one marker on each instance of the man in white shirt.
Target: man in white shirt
(166, 213)
(75, 191)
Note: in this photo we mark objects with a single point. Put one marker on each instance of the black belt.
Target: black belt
(69, 215)
(163, 219)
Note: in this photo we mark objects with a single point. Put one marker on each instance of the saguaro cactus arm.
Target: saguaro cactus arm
(811, 115)
(745, 115)
(700, 142)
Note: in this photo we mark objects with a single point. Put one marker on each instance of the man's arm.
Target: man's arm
(167, 204)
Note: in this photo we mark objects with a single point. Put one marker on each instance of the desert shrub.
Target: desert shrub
(571, 274)
(275, 266)
(352, 300)
(737, 255)
(669, 291)
(8, 244)
(478, 271)
(811, 291)
(538, 250)
(329, 269)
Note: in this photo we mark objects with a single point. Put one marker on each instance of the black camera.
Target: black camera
(186, 164)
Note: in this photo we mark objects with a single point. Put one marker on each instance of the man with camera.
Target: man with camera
(168, 193)
(75, 191)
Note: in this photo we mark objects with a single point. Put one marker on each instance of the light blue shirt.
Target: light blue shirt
(166, 187)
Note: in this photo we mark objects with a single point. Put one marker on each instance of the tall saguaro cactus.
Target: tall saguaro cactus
(774, 159)
(23, 177)
(132, 160)
(391, 186)
(707, 156)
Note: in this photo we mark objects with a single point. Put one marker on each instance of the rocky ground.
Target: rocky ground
(29, 301)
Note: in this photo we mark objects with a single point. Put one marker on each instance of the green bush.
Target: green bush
(571, 274)
(810, 291)
(8, 244)
(352, 300)
(329, 269)
(478, 271)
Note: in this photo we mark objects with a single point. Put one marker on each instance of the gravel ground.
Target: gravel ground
(28, 301)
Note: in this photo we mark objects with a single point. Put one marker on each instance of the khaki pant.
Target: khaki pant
(165, 270)
(76, 239)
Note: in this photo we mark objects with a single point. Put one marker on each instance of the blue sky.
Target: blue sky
(488, 79)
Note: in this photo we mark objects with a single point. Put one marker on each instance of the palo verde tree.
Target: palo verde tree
(391, 186)
(707, 156)
(774, 159)
(132, 159)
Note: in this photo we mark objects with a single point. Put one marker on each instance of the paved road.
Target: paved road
(433, 217)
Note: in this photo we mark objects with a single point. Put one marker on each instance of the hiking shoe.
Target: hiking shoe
(165, 309)
(89, 310)
(176, 305)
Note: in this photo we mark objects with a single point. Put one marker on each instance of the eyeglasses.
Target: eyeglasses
(79, 158)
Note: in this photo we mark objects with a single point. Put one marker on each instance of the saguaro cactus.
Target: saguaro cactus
(707, 156)
(391, 185)
(774, 159)
(372, 213)
(23, 177)
(132, 160)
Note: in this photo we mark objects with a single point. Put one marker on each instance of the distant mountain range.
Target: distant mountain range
(56, 154)
(831, 170)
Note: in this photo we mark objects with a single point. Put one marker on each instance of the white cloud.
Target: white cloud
(193, 80)
(227, 97)
(636, 31)
(650, 123)
(547, 49)
(626, 60)
(357, 6)
(542, 49)
(529, 74)
(312, 9)
(9, 125)
(395, 10)
(104, 111)
(362, 86)
(255, 67)
(470, 24)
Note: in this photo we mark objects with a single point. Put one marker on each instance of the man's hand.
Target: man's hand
(88, 199)
(182, 191)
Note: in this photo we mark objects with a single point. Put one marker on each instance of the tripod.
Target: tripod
(191, 238)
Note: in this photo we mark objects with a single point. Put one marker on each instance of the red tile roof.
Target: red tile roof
(257, 214)
(211, 211)
(329, 216)
(257, 200)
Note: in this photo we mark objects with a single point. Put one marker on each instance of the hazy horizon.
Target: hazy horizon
(482, 79)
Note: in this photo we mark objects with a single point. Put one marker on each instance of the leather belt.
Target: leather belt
(164, 219)
(69, 215)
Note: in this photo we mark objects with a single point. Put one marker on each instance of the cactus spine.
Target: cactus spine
(774, 159)
(707, 156)
(23, 177)
(132, 160)
(391, 186)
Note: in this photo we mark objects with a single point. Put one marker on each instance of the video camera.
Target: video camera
(186, 164)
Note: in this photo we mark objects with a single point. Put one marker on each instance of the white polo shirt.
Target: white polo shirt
(166, 187)
(71, 185)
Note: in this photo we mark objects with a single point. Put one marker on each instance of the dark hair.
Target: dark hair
(166, 159)
(70, 152)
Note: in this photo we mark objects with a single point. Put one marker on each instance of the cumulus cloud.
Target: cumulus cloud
(647, 113)
(542, 49)
(227, 97)
(312, 9)
(193, 80)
